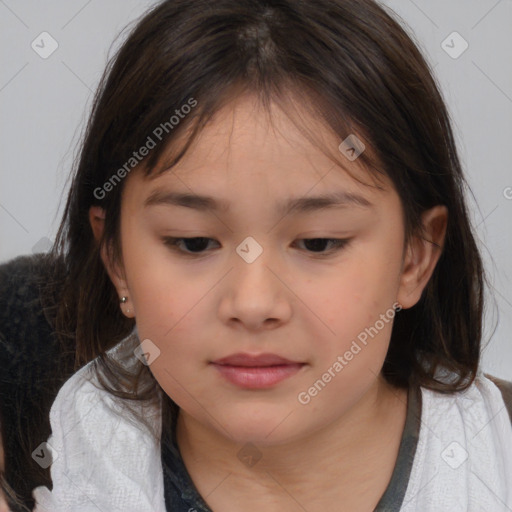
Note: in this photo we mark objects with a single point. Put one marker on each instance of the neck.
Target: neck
(351, 454)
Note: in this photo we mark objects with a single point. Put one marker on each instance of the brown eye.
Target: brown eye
(318, 245)
(195, 245)
(198, 245)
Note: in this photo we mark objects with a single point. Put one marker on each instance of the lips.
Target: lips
(256, 371)
(249, 360)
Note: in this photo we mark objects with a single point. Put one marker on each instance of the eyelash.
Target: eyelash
(173, 242)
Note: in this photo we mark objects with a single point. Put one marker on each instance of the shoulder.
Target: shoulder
(463, 459)
(97, 453)
(505, 388)
(486, 399)
(76, 397)
(88, 414)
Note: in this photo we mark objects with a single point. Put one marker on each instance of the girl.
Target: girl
(272, 277)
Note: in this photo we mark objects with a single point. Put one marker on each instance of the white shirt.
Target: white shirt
(104, 462)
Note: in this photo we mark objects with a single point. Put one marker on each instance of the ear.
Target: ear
(422, 255)
(114, 270)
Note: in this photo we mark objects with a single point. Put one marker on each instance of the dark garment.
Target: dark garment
(33, 367)
(182, 496)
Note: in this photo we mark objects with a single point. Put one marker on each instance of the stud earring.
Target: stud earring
(123, 300)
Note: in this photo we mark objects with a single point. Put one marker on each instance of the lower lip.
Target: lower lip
(257, 377)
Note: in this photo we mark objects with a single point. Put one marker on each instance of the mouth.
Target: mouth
(256, 371)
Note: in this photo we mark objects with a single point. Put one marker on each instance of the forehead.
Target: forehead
(245, 145)
(245, 129)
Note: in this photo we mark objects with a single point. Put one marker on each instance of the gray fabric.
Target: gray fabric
(393, 497)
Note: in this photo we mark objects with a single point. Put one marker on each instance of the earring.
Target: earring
(123, 300)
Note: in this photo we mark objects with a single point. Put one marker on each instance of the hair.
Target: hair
(353, 67)
(349, 64)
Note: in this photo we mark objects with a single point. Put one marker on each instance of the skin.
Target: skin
(339, 450)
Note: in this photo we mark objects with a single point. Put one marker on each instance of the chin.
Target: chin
(261, 430)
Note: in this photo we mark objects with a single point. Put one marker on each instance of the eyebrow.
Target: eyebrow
(339, 199)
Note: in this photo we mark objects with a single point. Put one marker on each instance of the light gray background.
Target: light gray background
(44, 103)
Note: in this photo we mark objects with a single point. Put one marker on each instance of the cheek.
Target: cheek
(356, 305)
(161, 291)
(166, 299)
(169, 310)
(174, 325)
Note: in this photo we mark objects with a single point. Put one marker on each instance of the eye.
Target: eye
(195, 245)
(317, 245)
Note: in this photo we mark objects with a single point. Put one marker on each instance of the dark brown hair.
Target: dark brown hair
(352, 66)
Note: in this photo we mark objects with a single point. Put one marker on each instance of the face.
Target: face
(307, 284)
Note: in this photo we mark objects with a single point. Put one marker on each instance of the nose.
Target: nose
(255, 294)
